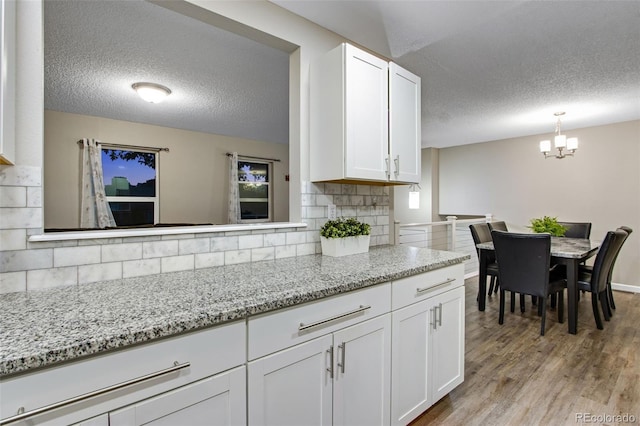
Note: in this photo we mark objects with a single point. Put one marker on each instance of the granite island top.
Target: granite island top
(45, 327)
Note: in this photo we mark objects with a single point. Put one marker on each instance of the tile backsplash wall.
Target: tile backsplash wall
(369, 204)
(28, 265)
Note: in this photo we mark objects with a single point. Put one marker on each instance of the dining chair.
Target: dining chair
(589, 269)
(500, 226)
(524, 261)
(577, 229)
(481, 234)
(596, 281)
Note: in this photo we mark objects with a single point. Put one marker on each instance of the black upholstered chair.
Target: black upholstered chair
(481, 234)
(577, 229)
(596, 280)
(500, 226)
(589, 269)
(524, 261)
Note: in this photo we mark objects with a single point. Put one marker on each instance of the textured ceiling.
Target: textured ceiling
(490, 69)
(500, 69)
(221, 83)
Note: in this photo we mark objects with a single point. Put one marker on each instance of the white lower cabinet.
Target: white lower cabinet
(428, 344)
(342, 378)
(219, 400)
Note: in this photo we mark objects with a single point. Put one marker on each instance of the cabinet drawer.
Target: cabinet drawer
(413, 289)
(209, 351)
(274, 331)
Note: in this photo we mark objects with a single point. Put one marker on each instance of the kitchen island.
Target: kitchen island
(64, 326)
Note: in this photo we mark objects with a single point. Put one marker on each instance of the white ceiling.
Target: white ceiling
(490, 69)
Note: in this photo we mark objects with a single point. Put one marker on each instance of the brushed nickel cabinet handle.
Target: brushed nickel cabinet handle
(440, 315)
(330, 369)
(343, 348)
(434, 287)
(26, 414)
(397, 163)
(304, 326)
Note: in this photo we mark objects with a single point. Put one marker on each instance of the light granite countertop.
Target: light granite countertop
(42, 328)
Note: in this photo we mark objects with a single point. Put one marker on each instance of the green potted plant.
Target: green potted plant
(342, 237)
(549, 225)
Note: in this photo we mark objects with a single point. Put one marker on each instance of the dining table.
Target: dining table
(569, 252)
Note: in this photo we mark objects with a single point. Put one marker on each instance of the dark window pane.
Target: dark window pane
(254, 210)
(129, 173)
(127, 214)
(253, 172)
(254, 190)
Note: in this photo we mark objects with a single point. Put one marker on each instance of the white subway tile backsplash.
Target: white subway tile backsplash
(296, 238)
(250, 241)
(140, 267)
(120, 252)
(21, 217)
(224, 243)
(74, 256)
(25, 265)
(41, 279)
(13, 239)
(13, 196)
(34, 197)
(209, 260)
(24, 260)
(304, 249)
(20, 176)
(160, 249)
(177, 263)
(285, 251)
(100, 272)
(275, 240)
(237, 256)
(192, 246)
(264, 253)
(12, 282)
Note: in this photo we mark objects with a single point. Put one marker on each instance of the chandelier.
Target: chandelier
(566, 146)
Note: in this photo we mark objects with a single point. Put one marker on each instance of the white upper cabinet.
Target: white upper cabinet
(365, 119)
(404, 124)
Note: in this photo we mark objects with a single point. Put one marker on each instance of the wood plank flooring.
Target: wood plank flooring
(514, 376)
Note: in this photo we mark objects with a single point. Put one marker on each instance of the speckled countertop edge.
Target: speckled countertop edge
(46, 327)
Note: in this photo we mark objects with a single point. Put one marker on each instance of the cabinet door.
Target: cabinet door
(362, 379)
(447, 344)
(405, 135)
(366, 120)
(218, 400)
(292, 386)
(411, 377)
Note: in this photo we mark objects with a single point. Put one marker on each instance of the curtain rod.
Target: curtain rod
(255, 158)
(147, 148)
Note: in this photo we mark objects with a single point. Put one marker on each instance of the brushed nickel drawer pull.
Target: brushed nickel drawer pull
(304, 326)
(343, 348)
(23, 415)
(330, 369)
(433, 287)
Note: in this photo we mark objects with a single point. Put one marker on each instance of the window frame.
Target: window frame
(124, 199)
(269, 184)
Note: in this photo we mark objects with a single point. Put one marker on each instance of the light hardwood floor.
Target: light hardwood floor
(514, 376)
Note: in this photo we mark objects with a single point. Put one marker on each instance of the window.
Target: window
(131, 185)
(254, 191)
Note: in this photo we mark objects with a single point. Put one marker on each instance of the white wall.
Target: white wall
(193, 174)
(512, 180)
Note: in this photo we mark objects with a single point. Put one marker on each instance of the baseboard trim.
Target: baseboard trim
(625, 287)
(615, 286)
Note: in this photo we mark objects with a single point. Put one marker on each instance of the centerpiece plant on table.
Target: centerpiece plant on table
(342, 237)
(548, 225)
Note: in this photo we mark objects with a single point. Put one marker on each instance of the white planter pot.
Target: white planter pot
(336, 247)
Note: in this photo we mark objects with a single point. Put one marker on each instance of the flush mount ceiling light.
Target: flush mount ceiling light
(560, 141)
(151, 92)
